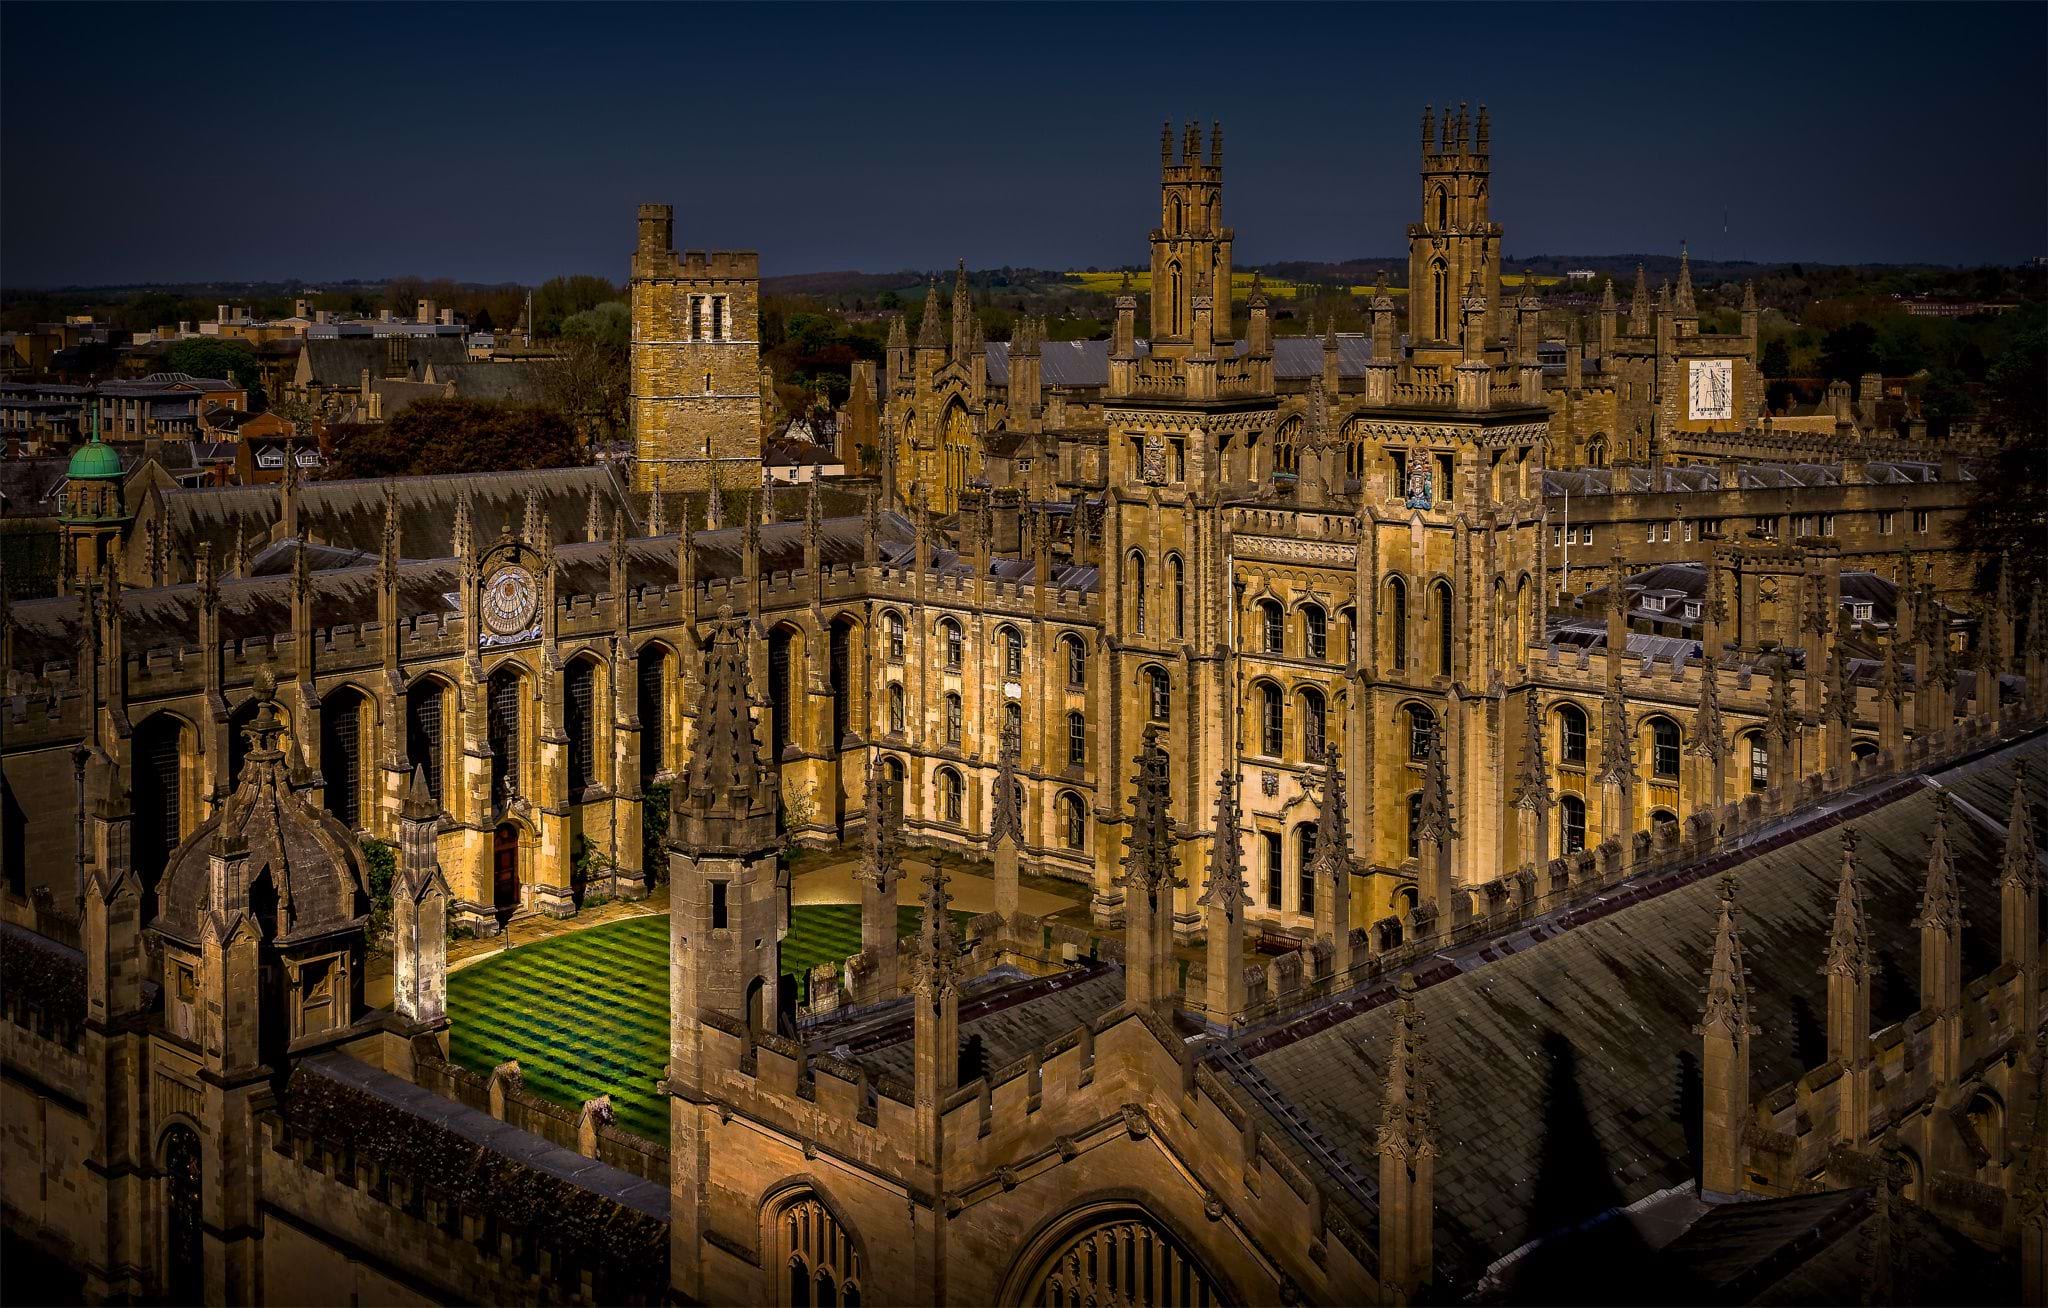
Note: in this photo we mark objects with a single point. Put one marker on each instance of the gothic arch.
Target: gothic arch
(1054, 1266)
(803, 1231)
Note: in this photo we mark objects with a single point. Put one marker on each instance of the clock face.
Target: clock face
(509, 601)
(1710, 393)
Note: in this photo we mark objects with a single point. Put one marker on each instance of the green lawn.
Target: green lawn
(587, 1013)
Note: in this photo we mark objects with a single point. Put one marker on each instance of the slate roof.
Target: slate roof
(1566, 1067)
(508, 382)
(340, 360)
(1012, 1017)
(1636, 480)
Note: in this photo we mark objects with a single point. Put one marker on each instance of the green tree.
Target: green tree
(208, 356)
(1777, 358)
(609, 324)
(559, 298)
(2008, 513)
(1849, 351)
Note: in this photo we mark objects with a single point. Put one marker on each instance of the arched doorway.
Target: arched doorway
(184, 1229)
(505, 870)
(1114, 1256)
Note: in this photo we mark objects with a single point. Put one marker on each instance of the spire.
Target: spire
(657, 514)
(2020, 869)
(1749, 297)
(1849, 940)
(1226, 857)
(533, 528)
(1166, 144)
(1533, 787)
(1891, 684)
(1479, 140)
(931, 333)
(899, 336)
(1331, 855)
(724, 772)
(419, 799)
(938, 949)
(1216, 143)
(1428, 129)
(1191, 144)
(1445, 144)
(1727, 1008)
(1005, 819)
(1617, 759)
(965, 327)
(1405, 1112)
(1685, 304)
(1607, 296)
(1438, 823)
(1149, 861)
(593, 516)
(1708, 739)
(1639, 305)
(1941, 904)
(881, 835)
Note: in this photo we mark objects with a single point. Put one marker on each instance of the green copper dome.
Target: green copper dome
(94, 459)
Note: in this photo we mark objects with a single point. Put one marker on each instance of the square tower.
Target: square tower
(696, 361)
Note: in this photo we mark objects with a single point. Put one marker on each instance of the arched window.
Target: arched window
(1136, 575)
(1077, 739)
(501, 702)
(1286, 447)
(1659, 816)
(1444, 631)
(1013, 722)
(950, 633)
(1571, 735)
(1272, 730)
(1440, 297)
(824, 1267)
(892, 622)
(1312, 724)
(1664, 748)
(1013, 652)
(652, 706)
(579, 690)
(1304, 855)
(1421, 732)
(423, 716)
(1077, 660)
(1759, 762)
(1161, 694)
(1120, 1256)
(1173, 285)
(950, 792)
(1176, 576)
(1269, 844)
(1315, 630)
(898, 723)
(1073, 821)
(1397, 620)
(184, 1215)
(1443, 208)
(1571, 824)
(953, 723)
(892, 773)
(341, 755)
(1274, 623)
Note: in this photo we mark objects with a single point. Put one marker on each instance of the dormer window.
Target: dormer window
(1654, 603)
(1693, 608)
(1860, 610)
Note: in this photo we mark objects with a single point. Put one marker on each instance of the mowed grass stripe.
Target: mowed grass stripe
(586, 1013)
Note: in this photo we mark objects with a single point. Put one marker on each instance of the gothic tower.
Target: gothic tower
(696, 361)
(1191, 246)
(1456, 246)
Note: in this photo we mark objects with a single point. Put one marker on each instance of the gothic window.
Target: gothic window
(893, 623)
(823, 1268)
(1443, 208)
(892, 773)
(341, 725)
(1415, 825)
(1173, 283)
(1269, 844)
(158, 799)
(838, 661)
(579, 681)
(1136, 577)
(1397, 620)
(1571, 735)
(1119, 1259)
(953, 727)
(1176, 574)
(423, 731)
(1312, 724)
(1759, 763)
(1316, 627)
(1077, 739)
(1162, 694)
(950, 632)
(1421, 732)
(1077, 660)
(897, 716)
(502, 711)
(1274, 623)
(1013, 652)
(652, 703)
(781, 667)
(1013, 722)
(184, 1218)
(1664, 748)
(1272, 729)
(950, 792)
(1073, 821)
(1444, 633)
(1571, 824)
(1440, 298)
(1304, 854)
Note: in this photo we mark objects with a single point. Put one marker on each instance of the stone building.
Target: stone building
(1303, 586)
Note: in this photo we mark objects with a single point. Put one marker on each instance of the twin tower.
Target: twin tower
(696, 384)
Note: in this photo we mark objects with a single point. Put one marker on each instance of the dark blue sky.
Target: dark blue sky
(511, 142)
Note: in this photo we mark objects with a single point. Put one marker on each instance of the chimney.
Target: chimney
(383, 315)
(184, 327)
(1869, 390)
(320, 315)
(426, 311)
(298, 308)
(220, 313)
(447, 317)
